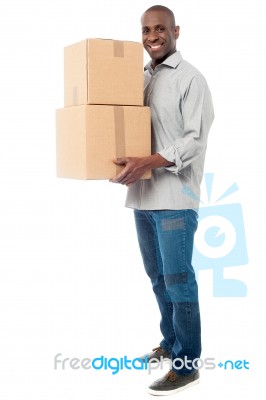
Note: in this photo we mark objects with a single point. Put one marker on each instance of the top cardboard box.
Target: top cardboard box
(103, 71)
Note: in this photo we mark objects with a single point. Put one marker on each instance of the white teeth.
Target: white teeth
(155, 47)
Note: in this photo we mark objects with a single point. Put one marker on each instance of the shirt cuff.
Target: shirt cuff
(171, 155)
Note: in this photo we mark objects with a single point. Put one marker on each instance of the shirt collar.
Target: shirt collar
(172, 61)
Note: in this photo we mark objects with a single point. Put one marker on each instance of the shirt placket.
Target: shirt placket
(150, 87)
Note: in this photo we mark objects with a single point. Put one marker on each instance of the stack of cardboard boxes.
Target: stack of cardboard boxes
(103, 117)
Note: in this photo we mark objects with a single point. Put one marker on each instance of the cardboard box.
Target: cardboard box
(88, 138)
(103, 71)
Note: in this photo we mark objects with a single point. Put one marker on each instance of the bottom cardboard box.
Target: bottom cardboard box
(88, 137)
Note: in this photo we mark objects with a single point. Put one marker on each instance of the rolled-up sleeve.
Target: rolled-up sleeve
(197, 113)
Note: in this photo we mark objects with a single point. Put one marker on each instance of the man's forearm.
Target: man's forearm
(156, 161)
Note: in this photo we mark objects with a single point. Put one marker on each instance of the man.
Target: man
(165, 207)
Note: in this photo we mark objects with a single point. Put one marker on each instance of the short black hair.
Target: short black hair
(165, 9)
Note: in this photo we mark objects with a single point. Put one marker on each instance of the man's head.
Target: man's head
(159, 33)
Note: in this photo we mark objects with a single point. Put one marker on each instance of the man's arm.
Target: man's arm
(197, 113)
(135, 167)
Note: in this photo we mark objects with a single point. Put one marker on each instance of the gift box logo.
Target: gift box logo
(220, 241)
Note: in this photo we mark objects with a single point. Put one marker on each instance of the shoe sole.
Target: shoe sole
(174, 391)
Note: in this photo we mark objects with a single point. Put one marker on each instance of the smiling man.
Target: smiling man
(165, 207)
(159, 35)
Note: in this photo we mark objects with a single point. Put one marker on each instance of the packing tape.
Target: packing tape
(75, 96)
(120, 145)
(118, 48)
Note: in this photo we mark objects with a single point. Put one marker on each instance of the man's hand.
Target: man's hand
(135, 167)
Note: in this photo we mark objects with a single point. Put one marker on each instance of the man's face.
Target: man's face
(158, 35)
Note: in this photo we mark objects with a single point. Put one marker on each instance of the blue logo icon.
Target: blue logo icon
(220, 241)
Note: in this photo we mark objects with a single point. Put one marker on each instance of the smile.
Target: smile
(154, 47)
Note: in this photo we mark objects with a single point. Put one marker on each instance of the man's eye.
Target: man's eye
(144, 31)
(160, 29)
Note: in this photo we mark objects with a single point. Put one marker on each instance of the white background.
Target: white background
(72, 280)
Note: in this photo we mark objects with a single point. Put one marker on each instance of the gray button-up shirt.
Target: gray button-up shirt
(181, 116)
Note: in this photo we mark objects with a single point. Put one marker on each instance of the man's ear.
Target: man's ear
(177, 29)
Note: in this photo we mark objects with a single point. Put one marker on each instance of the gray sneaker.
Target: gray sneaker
(172, 383)
(157, 354)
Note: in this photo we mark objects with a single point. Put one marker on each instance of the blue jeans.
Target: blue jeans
(166, 240)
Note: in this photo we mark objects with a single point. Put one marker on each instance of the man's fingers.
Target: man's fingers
(120, 161)
(123, 178)
(119, 178)
(127, 175)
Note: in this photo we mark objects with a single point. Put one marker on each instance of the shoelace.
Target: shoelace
(170, 376)
(157, 349)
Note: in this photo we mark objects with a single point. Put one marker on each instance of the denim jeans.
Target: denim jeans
(166, 240)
